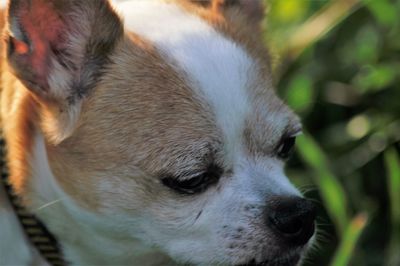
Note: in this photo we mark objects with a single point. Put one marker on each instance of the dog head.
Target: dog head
(164, 123)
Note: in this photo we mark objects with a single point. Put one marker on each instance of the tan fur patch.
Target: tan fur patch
(141, 111)
(18, 106)
(234, 24)
(17, 110)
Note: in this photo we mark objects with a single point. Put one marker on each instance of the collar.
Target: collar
(36, 232)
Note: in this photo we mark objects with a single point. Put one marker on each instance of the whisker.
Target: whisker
(48, 204)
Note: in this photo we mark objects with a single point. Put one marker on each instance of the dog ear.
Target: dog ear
(253, 9)
(57, 47)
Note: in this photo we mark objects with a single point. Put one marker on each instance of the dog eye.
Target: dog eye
(195, 184)
(286, 147)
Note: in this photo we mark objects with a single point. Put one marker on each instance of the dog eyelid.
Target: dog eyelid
(293, 131)
(195, 184)
(298, 133)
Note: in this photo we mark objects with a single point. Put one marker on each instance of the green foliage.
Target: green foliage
(332, 192)
(392, 162)
(350, 237)
(383, 11)
(345, 84)
(300, 94)
(374, 78)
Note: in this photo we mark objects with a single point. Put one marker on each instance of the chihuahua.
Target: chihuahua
(148, 132)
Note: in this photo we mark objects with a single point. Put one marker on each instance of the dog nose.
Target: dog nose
(292, 218)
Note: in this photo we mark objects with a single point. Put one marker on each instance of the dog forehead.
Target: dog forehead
(186, 75)
(216, 68)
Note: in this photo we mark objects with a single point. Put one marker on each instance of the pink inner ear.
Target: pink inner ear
(42, 16)
(20, 47)
(45, 30)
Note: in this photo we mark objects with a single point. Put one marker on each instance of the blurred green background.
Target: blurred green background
(337, 64)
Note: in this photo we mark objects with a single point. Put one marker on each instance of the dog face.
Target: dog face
(166, 126)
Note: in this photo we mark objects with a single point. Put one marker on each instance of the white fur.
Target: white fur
(218, 69)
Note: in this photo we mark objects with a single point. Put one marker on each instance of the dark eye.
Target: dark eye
(193, 185)
(286, 146)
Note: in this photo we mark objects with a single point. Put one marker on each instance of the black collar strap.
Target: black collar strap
(35, 230)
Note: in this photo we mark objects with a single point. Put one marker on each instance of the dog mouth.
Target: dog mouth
(283, 261)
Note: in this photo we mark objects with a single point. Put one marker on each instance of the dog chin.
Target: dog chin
(285, 257)
(286, 260)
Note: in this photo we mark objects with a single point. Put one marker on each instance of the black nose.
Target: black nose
(292, 218)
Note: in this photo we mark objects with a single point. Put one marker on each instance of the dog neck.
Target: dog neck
(83, 236)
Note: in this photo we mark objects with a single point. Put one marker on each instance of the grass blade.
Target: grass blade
(349, 241)
(331, 191)
(392, 164)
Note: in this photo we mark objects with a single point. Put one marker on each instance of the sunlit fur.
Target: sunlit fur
(184, 88)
